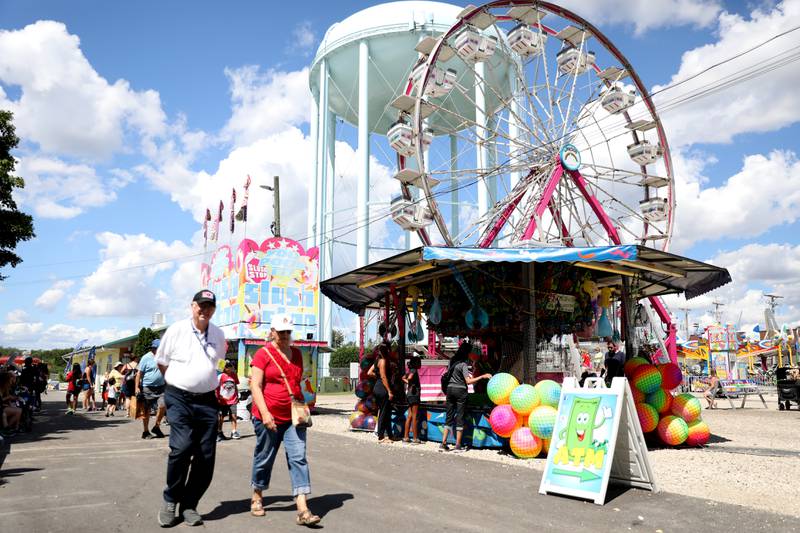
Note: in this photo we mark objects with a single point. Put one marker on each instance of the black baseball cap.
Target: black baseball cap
(205, 296)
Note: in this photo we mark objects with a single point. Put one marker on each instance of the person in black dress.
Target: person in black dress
(383, 370)
(460, 378)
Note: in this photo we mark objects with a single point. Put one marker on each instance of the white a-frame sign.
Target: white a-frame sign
(596, 438)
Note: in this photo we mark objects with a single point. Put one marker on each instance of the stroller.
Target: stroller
(788, 389)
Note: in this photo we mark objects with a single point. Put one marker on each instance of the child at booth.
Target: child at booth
(411, 379)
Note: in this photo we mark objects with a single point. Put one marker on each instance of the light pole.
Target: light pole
(275, 227)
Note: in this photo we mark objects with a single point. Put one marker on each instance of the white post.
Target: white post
(327, 258)
(362, 194)
(482, 134)
(311, 227)
(322, 169)
(454, 205)
(322, 166)
(514, 149)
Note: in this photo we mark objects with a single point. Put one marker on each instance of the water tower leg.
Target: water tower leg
(362, 237)
(322, 168)
(454, 207)
(482, 134)
(330, 174)
(313, 187)
(513, 133)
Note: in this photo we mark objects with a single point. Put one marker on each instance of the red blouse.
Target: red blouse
(276, 396)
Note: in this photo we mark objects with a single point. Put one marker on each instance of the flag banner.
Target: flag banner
(241, 216)
(206, 220)
(215, 225)
(233, 209)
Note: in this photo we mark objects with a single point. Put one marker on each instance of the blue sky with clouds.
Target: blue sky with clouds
(135, 117)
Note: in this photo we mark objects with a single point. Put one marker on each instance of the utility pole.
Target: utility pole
(773, 304)
(717, 312)
(275, 227)
(686, 320)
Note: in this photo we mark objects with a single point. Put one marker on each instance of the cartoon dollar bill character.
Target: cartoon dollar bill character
(581, 424)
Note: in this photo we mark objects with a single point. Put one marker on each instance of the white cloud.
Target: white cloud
(16, 316)
(65, 105)
(52, 296)
(756, 269)
(644, 14)
(57, 189)
(33, 335)
(303, 39)
(765, 193)
(117, 289)
(266, 103)
(760, 104)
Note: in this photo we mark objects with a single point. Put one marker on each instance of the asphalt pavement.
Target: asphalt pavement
(88, 472)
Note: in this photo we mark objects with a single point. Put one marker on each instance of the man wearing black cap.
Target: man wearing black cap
(188, 357)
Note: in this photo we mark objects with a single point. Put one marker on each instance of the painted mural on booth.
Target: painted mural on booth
(277, 276)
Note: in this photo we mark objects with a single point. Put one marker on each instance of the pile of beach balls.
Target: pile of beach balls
(524, 414)
(366, 407)
(675, 419)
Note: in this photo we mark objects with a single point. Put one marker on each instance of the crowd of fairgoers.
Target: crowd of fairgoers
(21, 389)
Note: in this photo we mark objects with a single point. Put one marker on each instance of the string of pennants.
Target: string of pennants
(211, 222)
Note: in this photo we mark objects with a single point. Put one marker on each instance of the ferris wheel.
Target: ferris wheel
(524, 125)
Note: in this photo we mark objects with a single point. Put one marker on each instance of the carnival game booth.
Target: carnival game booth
(524, 309)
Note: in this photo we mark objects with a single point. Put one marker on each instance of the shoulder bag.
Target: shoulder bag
(301, 414)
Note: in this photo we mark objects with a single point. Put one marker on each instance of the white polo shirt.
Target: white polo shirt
(190, 366)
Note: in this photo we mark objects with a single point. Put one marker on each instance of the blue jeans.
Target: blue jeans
(267, 444)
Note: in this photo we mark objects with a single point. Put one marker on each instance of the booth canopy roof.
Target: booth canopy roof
(653, 272)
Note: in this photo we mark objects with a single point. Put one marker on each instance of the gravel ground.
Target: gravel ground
(751, 460)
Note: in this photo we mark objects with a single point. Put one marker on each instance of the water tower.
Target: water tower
(358, 71)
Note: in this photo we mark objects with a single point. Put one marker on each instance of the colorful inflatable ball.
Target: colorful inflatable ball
(699, 433)
(671, 375)
(368, 423)
(646, 378)
(673, 430)
(500, 387)
(632, 364)
(541, 421)
(687, 407)
(549, 392)
(638, 396)
(661, 400)
(648, 417)
(523, 399)
(525, 444)
(504, 420)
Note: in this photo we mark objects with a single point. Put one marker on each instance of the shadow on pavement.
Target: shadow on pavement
(320, 505)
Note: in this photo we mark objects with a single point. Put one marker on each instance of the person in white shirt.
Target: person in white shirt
(187, 356)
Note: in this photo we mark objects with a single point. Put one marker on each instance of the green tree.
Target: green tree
(344, 355)
(337, 339)
(143, 342)
(15, 226)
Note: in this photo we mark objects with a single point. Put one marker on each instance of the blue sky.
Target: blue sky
(136, 116)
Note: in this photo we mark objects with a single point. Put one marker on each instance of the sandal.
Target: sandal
(257, 508)
(307, 518)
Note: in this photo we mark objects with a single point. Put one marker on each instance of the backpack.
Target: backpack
(445, 380)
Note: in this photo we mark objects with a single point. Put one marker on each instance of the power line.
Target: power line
(709, 88)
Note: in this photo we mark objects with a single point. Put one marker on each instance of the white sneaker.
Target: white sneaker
(235, 435)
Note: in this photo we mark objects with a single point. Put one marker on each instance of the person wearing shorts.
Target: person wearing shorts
(111, 396)
(228, 397)
(150, 388)
(413, 393)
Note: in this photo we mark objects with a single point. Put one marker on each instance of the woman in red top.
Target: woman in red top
(272, 418)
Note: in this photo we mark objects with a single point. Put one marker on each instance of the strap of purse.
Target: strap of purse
(283, 375)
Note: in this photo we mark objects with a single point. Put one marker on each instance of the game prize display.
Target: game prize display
(672, 419)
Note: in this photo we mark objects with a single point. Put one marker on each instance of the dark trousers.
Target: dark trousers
(192, 445)
(384, 410)
(456, 407)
